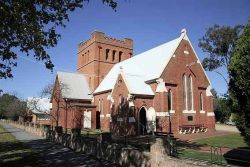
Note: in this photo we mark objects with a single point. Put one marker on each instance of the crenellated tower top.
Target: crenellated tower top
(97, 55)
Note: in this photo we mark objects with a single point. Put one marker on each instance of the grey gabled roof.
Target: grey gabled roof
(75, 86)
(144, 67)
(148, 65)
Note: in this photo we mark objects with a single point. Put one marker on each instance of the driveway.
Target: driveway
(54, 155)
(228, 128)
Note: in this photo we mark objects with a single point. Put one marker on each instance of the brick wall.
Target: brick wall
(172, 76)
(103, 107)
(95, 62)
(71, 112)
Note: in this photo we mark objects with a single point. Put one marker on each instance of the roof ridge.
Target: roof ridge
(74, 73)
(140, 65)
(159, 46)
(136, 56)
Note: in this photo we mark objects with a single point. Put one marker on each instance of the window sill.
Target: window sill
(188, 112)
(210, 114)
(202, 111)
(162, 114)
(172, 111)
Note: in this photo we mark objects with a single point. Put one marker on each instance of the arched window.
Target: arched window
(191, 98)
(102, 106)
(107, 54)
(120, 56)
(169, 100)
(99, 105)
(201, 102)
(113, 55)
(184, 80)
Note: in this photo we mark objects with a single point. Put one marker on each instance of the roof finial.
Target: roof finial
(184, 31)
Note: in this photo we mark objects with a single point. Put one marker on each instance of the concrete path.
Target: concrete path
(52, 154)
(197, 136)
(228, 128)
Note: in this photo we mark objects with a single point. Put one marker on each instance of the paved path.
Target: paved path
(229, 128)
(197, 136)
(52, 154)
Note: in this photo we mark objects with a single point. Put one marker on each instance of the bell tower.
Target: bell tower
(99, 54)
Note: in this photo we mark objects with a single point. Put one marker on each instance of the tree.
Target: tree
(17, 109)
(5, 100)
(30, 27)
(54, 91)
(11, 107)
(219, 42)
(38, 105)
(239, 85)
(214, 93)
(222, 107)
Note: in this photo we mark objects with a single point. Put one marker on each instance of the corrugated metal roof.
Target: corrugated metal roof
(148, 65)
(75, 86)
(136, 85)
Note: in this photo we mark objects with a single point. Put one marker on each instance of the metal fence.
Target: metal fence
(236, 156)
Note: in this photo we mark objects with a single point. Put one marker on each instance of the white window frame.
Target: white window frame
(99, 105)
(102, 106)
(201, 102)
(191, 93)
(184, 82)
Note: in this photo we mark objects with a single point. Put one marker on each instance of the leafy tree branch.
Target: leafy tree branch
(219, 42)
(29, 26)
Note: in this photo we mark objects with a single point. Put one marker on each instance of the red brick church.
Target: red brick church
(164, 89)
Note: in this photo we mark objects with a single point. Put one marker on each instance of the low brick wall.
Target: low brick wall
(37, 129)
(101, 149)
(158, 155)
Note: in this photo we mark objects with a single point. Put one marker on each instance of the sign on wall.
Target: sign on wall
(87, 119)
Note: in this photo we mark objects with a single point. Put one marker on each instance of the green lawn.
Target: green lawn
(194, 154)
(14, 153)
(230, 141)
(5, 136)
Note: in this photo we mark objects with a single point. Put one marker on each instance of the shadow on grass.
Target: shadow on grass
(239, 156)
(8, 132)
(45, 153)
(16, 154)
(185, 144)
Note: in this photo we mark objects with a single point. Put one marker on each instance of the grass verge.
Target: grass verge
(194, 154)
(237, 151)
(14, 153)
(229, 141)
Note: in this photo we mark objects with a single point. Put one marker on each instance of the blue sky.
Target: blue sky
(148, 22)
